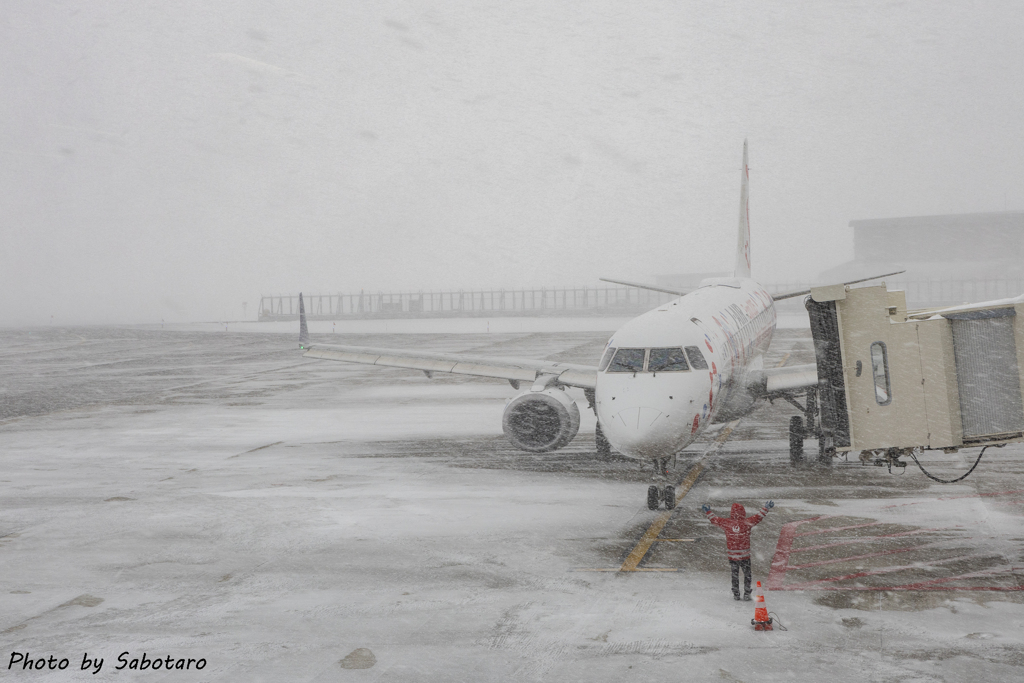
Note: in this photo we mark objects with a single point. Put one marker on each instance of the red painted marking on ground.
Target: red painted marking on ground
(782, 549)
(897, 588)
(982, 495)
(956, 588)
(864, 539)
(788, 534)
(859, 557)
(840, 528)
(973, 495)
(885, 570)
(949, 579)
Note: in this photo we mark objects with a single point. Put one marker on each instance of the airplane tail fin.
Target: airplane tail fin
(303, 330)
(743, 243)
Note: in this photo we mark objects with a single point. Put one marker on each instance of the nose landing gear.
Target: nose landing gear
(668, 495)
(661, 494)
(655, 496)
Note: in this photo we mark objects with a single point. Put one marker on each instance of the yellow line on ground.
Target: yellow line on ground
(647, 540)
(616, 569)
(636, 555)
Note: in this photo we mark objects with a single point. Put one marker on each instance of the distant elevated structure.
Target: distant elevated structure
(687, 280)
(949, 259)
(597, 301)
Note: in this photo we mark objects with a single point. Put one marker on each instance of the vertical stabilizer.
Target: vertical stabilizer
(743, 243)
(303, 330)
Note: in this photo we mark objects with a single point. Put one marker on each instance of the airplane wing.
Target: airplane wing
(653, 288)
(790, 378)
(777, 297)
(802, 292)
(515, 370)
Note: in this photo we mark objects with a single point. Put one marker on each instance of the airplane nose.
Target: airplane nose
(638, 418)
(641, 432)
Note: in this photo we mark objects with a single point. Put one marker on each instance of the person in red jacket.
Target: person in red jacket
(737, 528)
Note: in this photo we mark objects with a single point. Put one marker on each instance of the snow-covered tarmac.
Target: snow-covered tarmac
(216, 496)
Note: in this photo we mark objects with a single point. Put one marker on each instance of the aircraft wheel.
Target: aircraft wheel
(669, 496)
(796, 440)
(653, 497)
(604, 449)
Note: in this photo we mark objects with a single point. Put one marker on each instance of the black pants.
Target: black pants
(736, 565)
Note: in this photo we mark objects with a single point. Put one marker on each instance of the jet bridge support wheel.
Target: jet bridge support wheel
(796, 440)
(826, 451)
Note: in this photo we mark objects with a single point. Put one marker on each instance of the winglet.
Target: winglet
(303, 330)
(743, 242)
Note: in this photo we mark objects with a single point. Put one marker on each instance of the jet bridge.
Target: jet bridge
(892, 380)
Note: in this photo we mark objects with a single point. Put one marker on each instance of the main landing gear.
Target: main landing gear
(665, 494)
(604, 449)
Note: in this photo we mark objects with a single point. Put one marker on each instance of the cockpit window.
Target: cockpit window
(696, 358)
(606, 358)
(627, 360)
(667, 360)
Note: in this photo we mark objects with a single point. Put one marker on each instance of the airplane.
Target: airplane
(663, 379)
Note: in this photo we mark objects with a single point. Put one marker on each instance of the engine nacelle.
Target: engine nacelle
(539, 421)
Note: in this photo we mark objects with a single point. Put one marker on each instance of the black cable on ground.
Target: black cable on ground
(949, 481)
(778, 621)
(904, 467)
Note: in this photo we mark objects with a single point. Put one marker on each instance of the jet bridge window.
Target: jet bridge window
(628, 360)
(667, 360)
(696, 358)
(606, 359)
(880, 373)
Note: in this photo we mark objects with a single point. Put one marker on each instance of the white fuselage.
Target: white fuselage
(649, 413)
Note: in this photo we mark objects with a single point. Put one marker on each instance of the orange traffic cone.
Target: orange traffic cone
(761, 620)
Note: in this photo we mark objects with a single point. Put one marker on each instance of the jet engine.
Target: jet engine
(540, 421)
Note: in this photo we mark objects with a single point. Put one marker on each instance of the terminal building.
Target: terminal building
(949, 259)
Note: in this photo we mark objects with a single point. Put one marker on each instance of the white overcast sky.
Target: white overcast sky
(174, 159)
